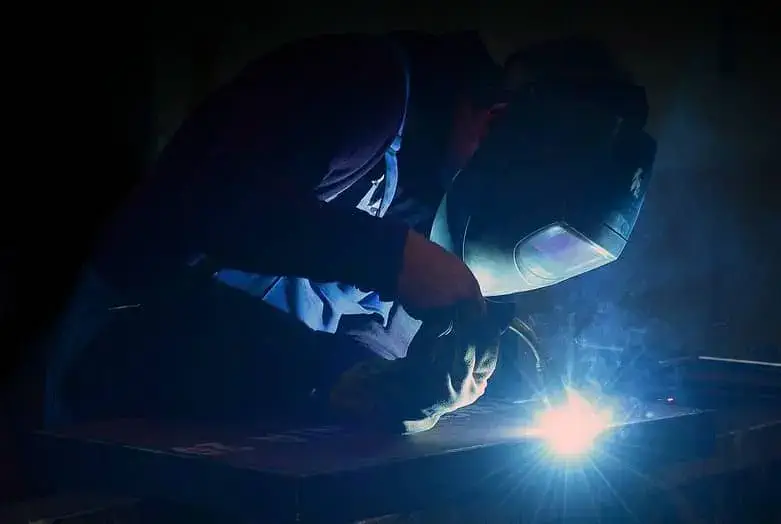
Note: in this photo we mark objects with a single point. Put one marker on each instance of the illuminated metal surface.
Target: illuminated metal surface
(572, 428)
(482, 452)
(329, 470)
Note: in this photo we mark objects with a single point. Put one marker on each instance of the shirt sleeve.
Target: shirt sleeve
(317, 111)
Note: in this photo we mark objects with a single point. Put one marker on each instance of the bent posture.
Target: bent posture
(341, 196)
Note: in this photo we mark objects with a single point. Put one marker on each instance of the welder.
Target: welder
(340, 196)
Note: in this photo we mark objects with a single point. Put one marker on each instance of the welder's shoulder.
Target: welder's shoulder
(339, 98)
(334, 63)
(349, 86)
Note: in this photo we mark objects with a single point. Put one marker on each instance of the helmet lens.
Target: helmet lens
(556, 253)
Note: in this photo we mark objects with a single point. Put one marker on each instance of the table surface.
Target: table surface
(329, 470)
(331, 449)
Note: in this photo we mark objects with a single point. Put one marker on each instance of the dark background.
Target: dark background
(703, 270)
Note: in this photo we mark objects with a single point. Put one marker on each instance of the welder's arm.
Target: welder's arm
(323, 242)
(303, 120)
(306, 116)
(302, 237)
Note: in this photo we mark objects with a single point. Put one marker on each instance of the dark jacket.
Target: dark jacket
(265, 177)
(247, 177)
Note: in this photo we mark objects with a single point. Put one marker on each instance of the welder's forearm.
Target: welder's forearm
(320, 242)
(350, 246)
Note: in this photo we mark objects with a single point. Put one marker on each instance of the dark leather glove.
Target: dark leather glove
(445, 370)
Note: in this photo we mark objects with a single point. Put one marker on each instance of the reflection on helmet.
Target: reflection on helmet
(554, 191)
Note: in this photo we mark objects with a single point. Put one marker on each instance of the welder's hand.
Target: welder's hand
(432, 279)
(442, 373)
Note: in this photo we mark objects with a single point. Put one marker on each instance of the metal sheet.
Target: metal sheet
(329, 470)
(329, 449)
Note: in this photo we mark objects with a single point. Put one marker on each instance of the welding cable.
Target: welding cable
(526, 333)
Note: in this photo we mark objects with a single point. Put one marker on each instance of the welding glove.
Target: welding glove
(443, 371)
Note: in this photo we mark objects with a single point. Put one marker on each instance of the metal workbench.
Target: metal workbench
(330, 473)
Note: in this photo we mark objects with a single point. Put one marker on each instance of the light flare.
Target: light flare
(570, 429)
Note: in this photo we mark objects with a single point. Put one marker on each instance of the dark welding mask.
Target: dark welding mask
(555, 189)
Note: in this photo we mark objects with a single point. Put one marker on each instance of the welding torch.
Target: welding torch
(504, 314)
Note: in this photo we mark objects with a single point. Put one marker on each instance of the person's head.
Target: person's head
(570, 59)
(556, 184)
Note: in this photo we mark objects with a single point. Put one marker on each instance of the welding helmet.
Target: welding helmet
(555, 189)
